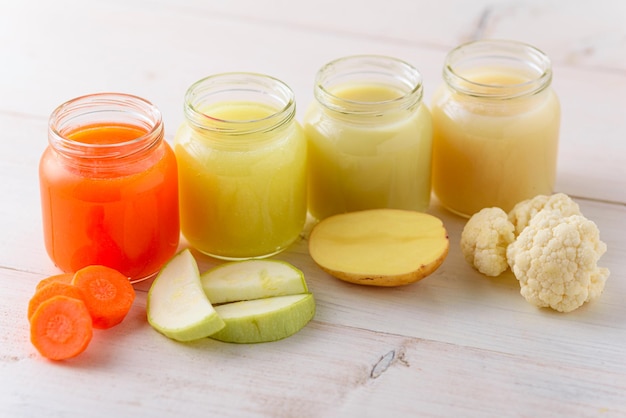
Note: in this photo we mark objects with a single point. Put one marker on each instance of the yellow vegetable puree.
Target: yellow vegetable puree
(359, 162)
(241, 195)
(493, 152)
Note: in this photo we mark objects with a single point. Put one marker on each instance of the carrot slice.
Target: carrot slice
(61, 328)
(63, 278)
(52, 289)
(107, 293)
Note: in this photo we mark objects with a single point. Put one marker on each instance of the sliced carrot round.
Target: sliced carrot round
(63, 278)
(53, 288)
(61, 328)
(107, 293)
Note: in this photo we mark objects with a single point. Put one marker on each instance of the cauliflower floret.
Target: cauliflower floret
(484, 240)
(555, 260)
(524, 211)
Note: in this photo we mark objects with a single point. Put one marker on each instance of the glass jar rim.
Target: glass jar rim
(510, 54)
(107, 109)
(369, 67)
(239, 83)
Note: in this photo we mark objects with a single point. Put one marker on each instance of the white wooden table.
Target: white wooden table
(455, 344)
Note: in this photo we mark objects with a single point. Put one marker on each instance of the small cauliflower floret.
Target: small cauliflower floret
(484, 241)
(524, 211)
(555, 261)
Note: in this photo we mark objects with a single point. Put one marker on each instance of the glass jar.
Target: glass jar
(496, 127)
(242, 166)
(109, 190)
(369, 136)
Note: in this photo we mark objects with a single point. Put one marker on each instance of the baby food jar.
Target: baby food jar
(242, 166)
(496, 127)
(369, 136)
(109, 190)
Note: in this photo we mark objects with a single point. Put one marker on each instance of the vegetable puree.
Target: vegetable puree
(123, 216)
(359, 162)
(242, 194)
(489, 152)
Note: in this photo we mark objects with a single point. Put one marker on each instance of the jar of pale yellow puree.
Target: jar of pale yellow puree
(496, 127)
(369, 137)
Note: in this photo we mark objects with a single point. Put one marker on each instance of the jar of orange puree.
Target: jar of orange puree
(242, 166)
(109, 190)
(496, 127)
(369, 136)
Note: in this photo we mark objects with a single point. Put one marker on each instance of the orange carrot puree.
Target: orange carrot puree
(107, 135)
(122, 215)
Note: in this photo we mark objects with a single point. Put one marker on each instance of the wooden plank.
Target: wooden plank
(323, 370)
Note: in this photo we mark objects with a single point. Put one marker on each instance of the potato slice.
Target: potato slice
(379, 247)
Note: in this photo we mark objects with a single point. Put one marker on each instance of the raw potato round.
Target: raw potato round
(379, 247)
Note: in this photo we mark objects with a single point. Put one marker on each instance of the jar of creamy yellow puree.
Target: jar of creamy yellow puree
(496, 127)
(241, 166)
(369, 137)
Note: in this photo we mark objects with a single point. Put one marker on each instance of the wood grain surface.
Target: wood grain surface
(456, 344)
